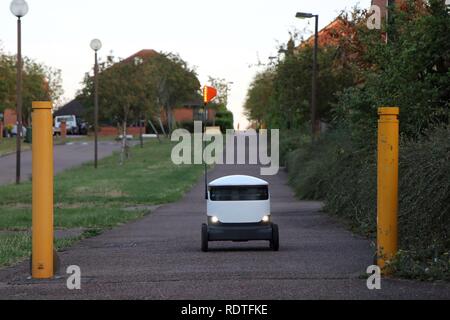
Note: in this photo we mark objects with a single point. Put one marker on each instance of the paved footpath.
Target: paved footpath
(66, 156)
(159, 257)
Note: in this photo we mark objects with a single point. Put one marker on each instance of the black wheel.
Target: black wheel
(204, 237)
(275, 242)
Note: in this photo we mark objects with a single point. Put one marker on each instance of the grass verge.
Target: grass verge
(96, 199)
(344, 175)
(8, 145)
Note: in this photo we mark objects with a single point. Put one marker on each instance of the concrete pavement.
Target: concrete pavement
(159, 257)
(66, 156)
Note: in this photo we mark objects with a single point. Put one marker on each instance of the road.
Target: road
(159, 257)
(66, 156)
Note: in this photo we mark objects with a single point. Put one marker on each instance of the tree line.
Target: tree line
(130, 90)
(40, 82)
(407, 65)
(139, 88)
(359, 72)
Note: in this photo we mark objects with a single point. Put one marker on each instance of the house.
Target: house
(340, 28)
(74, 107)
(9, 117)
(189, 111)
(331, 34)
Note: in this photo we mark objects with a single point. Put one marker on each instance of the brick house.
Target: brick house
(190, 111)
(340, 28)
(9, 117)
(331, 34)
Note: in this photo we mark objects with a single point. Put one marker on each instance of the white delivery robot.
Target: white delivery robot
(238, 209)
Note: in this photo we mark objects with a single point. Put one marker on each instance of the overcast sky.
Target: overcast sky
(220, 38)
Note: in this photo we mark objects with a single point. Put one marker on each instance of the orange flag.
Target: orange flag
(209, 93)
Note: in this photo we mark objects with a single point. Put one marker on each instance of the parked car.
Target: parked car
(71, 123)
(83, 127)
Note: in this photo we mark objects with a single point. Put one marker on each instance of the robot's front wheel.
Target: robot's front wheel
(275, 242)
(205, 237)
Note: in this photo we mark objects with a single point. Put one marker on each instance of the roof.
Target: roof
(238, 180)
(330, 34)
(143, 54)
(74, 107)
(140, 55)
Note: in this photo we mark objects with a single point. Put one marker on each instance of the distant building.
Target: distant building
(9, 117)
(143, 54)
(74, 107)
(331, 34)
(340, 28)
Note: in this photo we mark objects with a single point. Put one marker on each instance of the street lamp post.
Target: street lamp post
(96, 45)
(19, 8)
(302, 15)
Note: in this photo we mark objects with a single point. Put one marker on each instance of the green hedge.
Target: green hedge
(224, 120)
(344, 176)
(223, 123)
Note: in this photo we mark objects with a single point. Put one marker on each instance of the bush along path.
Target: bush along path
(89, 200)
(345, 177)
(359, 73)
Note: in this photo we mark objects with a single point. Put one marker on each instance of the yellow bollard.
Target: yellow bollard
(387, 207)
(42, 148)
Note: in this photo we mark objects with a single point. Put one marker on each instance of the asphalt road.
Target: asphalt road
(66, 156)
(159, 257)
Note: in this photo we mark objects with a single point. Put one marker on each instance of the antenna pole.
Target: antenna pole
(205, 110)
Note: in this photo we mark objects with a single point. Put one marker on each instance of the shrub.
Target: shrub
(344, 176)
(189, 125)
(224, 120)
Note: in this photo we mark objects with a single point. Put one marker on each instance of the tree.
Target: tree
(132, 90)
(223, 88)
(40, 82)
(164, 80)
(259, 98)
(280, 96)
(411, 71)
(120, 91)
(120, 88)
(223, 117)
(7, 82)
(171, 81)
